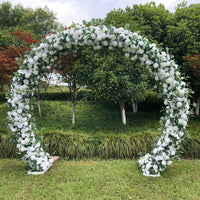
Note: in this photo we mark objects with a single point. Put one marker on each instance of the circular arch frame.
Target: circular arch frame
(36, 63)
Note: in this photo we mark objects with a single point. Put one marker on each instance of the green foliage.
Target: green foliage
(184, 32)
(64, 95)
(183, 38)
(14, 18)
(149, 19)
(113, 77)
(178, 31)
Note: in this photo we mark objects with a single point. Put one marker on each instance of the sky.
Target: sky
(68, 11)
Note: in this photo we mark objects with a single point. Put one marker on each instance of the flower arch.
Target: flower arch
(135, 47)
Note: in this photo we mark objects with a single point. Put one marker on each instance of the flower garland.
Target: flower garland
(134, 46)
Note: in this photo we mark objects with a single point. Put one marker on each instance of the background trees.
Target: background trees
(180, 31)
(16, 18)
(183, 33)
(113, 77)
(194, 63)
(8, 62)
(19, 28)
(66, 67)
(150, 20)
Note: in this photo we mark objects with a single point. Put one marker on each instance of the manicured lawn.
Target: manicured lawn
(99, 179)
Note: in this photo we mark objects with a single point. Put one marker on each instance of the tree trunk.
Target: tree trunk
(73, 113)
(198, 106)
(123, 114)
(135, 106)
(39, 107)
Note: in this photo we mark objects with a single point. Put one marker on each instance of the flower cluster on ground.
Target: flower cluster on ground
(37, 62)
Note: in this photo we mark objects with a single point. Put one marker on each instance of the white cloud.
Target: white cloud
(78, 10)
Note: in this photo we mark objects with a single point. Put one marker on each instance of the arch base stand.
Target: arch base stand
(54, 158)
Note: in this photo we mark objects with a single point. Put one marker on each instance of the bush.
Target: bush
(82, 94)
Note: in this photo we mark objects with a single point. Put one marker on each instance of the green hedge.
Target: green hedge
(82, 94)
(85, 94)
(80, 146)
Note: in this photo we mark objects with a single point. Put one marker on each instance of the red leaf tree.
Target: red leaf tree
(66, 67)
(8, 62)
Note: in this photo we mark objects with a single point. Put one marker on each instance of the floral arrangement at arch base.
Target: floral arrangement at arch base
(135, 47)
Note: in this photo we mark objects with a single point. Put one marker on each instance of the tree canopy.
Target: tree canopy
(16, 18)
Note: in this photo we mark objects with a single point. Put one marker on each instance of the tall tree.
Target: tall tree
(113, 77)
(14, 18)
(66, 66)
(149, 19)
(183, 34)
(8, 62)
(194, 63)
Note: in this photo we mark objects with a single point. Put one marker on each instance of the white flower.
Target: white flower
(36, 58)
(182, 122)
(37, 145)
(155, 167)
(141, 43)
(140, 51)
(179, 104)
(127, 41)
(93, 36)
(148, 62)
(169, 80)
(27, 75)
(22, 149)
(26, 81)
(181, 134)
(45, 168)
(33, 157)
(127, 55)
(19, 111)
(114, 43)
(105, 43)
(164, 162)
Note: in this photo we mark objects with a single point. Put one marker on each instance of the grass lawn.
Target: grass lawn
(95, 119)
(99, 179)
